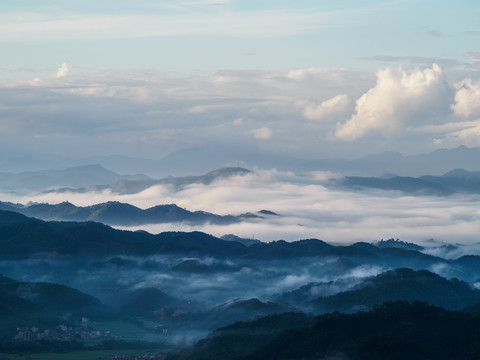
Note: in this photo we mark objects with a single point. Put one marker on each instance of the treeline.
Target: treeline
(391, 331)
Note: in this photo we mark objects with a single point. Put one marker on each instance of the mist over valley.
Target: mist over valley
(241, 180)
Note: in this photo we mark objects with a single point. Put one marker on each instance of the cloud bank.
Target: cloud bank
(148, 113)
(398, 98)
(307, 208)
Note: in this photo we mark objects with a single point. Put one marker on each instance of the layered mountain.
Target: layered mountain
(437, 162)
(199, 159)
(21, 236)
(354, 294)
(455, 181)
(133, 186)
(398, 330)
(400, 284)
(78, 176)
(116, 213)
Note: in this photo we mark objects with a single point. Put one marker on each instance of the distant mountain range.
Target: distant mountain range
(73, 177)
(135, 185)
(95, 178)
(200, 159)
(116, 213)
(88, 178)
(196, 160)
(455, 181)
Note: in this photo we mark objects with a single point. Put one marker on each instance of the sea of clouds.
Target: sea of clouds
(308, 207)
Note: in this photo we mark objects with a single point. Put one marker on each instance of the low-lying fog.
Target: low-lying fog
(307, 208)
(112, 278)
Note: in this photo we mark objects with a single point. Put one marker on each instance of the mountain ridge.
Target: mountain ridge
(117, 213)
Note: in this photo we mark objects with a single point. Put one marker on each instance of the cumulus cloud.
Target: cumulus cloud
(147, 113)
(262, 133)
(398, 98)
(63, 70)
(467, 99)
(332, 109)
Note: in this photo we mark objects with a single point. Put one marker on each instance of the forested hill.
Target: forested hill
(391, 331)
(23, 237)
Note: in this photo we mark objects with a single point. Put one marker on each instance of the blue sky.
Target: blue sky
(308, 77)
(212, 35)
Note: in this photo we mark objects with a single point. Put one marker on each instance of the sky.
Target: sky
(312, 79)
(303, 79)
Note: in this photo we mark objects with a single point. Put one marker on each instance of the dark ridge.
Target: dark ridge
(116, 213)
(401, 284)
(396, 243)
(391, 331)
(268, 212)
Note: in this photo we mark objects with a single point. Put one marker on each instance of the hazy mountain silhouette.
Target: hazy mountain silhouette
(79, 176)
(200, 159)
(435, 163)
(132, 186)
(455, 181)
(116, 213)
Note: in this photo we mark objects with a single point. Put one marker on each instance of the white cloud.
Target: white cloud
(187, 21)
(306, 73)
(307, 209)
(129, 111)
(63, 70)
(467, 99)
(336, 108)
(398, 98)
(262, 133)
(109, 109)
